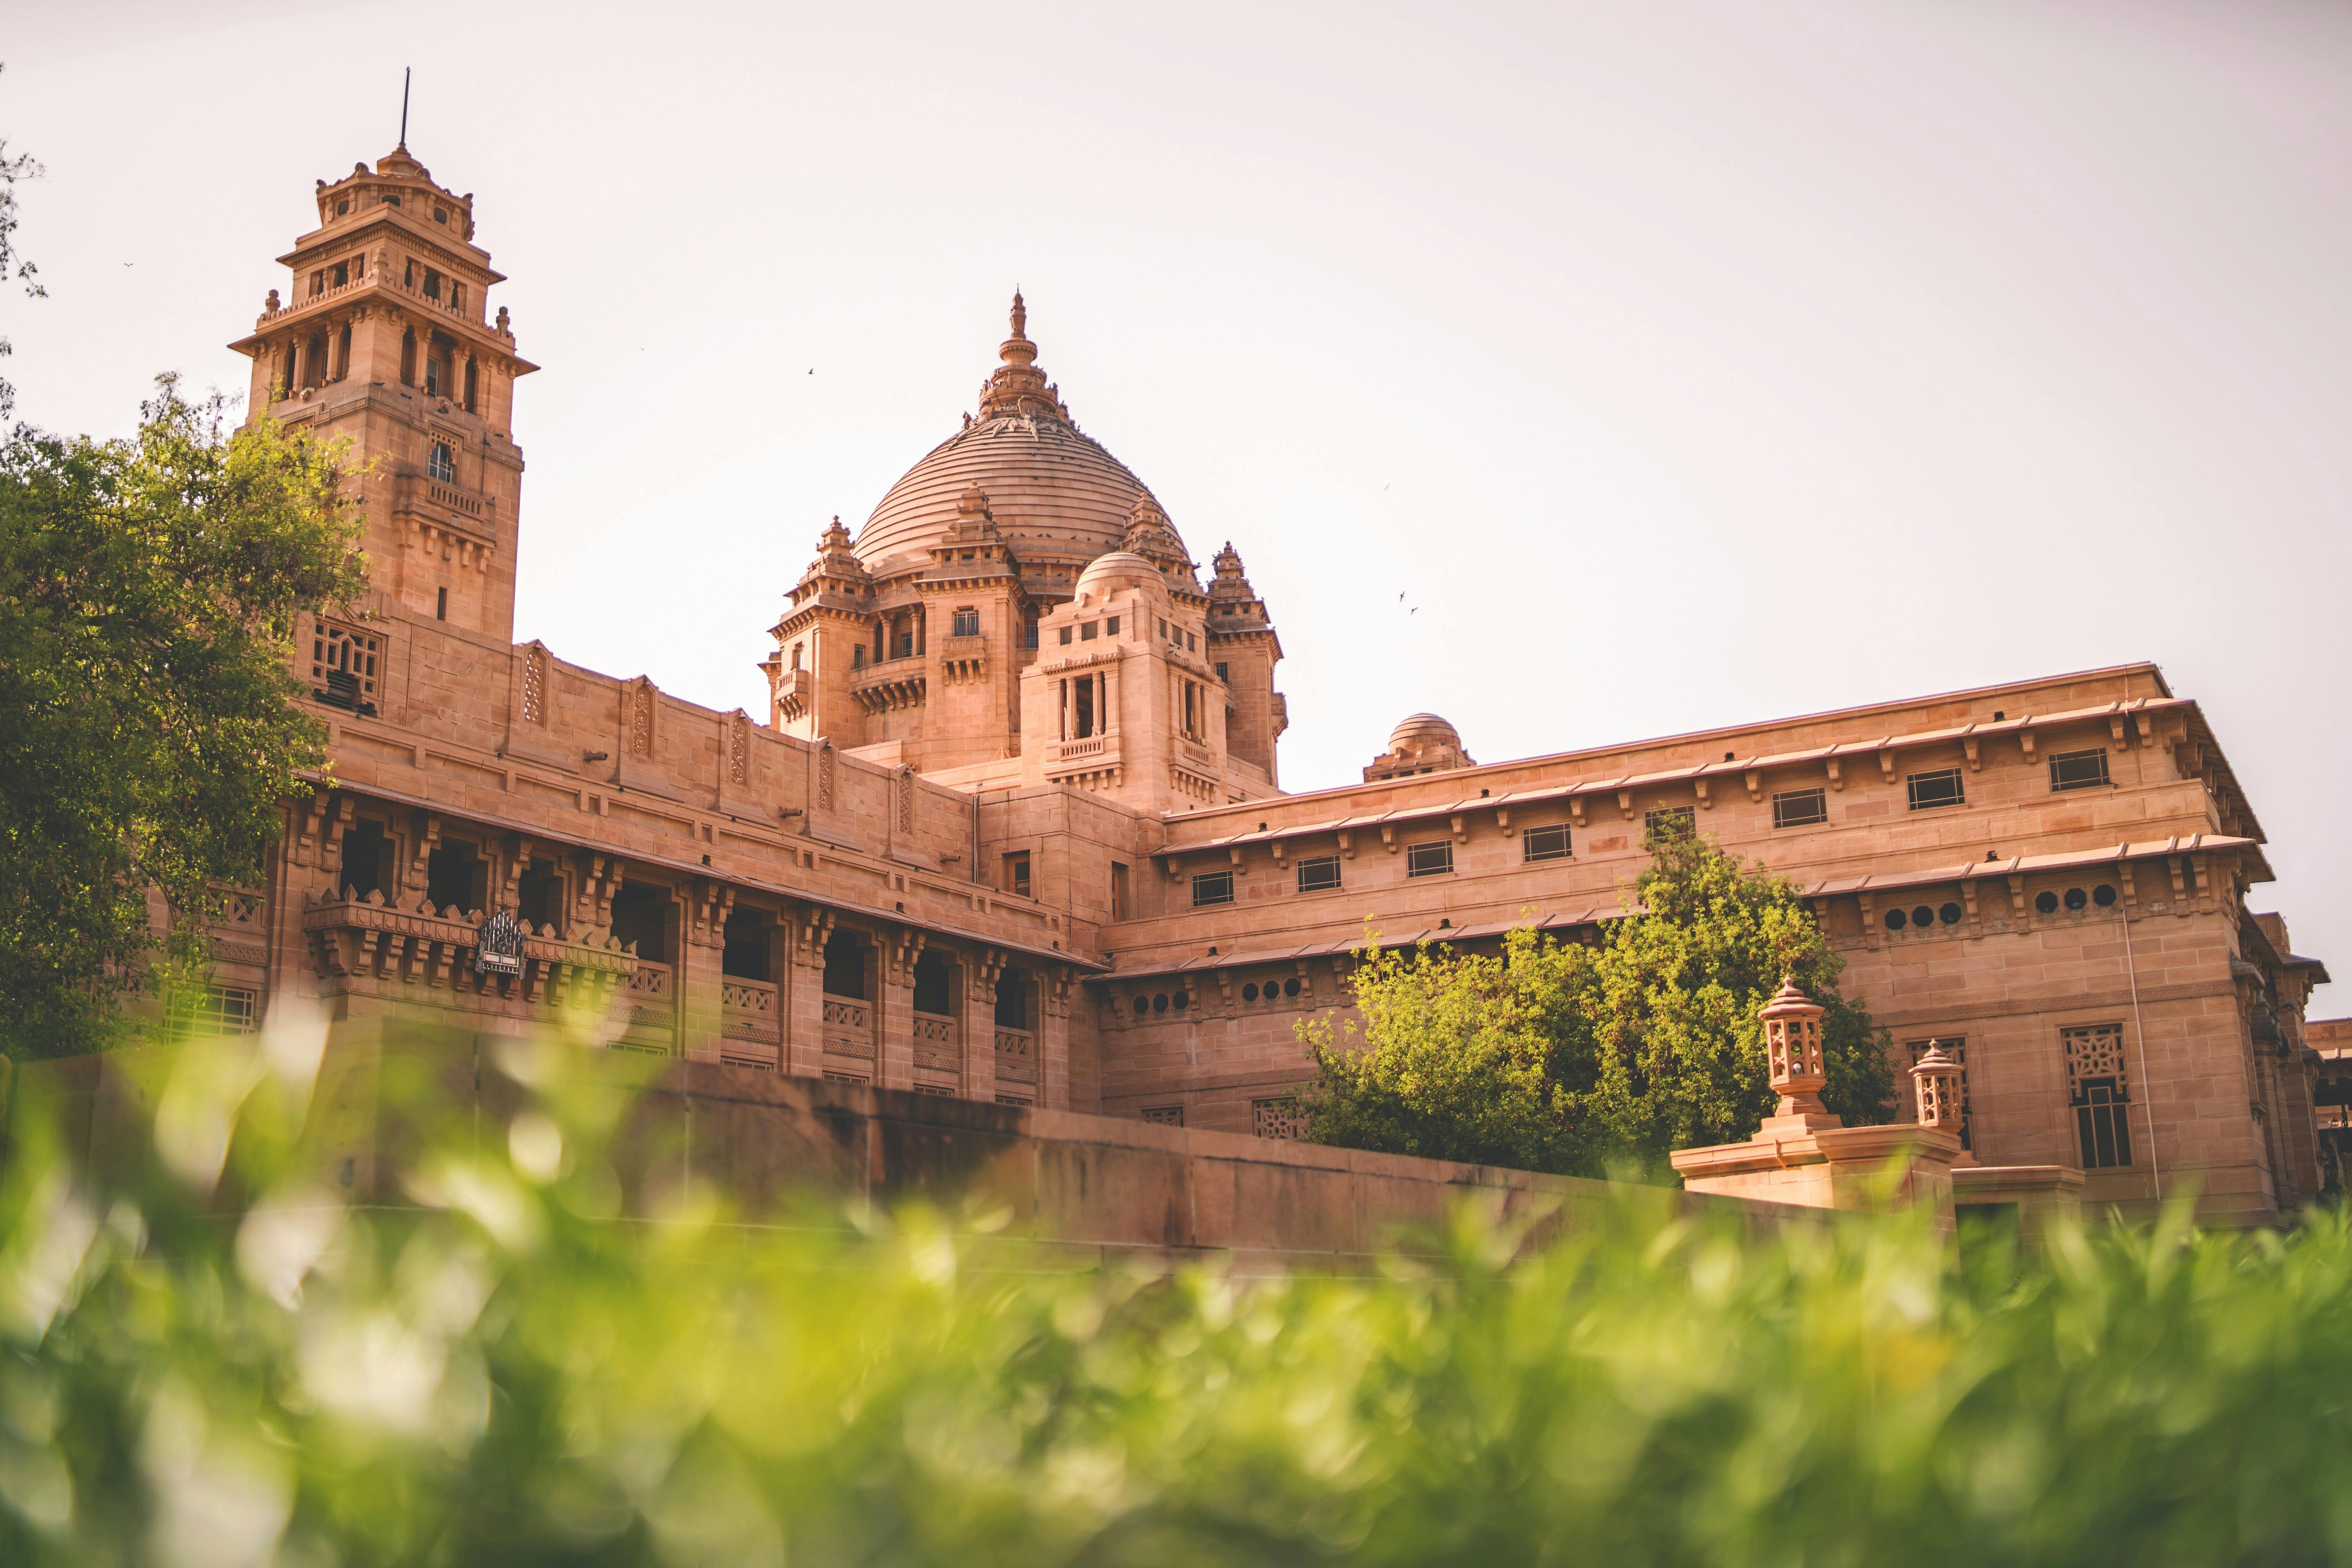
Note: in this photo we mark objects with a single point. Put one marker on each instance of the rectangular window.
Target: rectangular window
(966, 623)
(857, 656)
(1122, 896)
(1278, 1119)
(1930, 790)
(1800, 807)
(2079, 770)
(1163, 626)
(1110, 626)
(1430, 860)
(1016, 873)
(1223, 676)
(1319, 875)
(1669, 822)
(1191, 643)
(1089, 632)
(2097, 1089)
(1164, 1115)
(213, 1010)
(1545, 842)
(343, 663)
(1066, 636)
(1029, 632)
(1212, 888)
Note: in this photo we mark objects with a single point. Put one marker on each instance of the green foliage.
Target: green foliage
(516, 1371)
(148, 593)
(13, 268)
(1558, 1057)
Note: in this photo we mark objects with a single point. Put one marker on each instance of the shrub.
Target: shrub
(522, 1368)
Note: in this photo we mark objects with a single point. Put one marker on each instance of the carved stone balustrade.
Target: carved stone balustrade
(1017, 1062)
(363, 945)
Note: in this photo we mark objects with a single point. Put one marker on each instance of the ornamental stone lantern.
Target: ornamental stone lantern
(1803, 1154)
(1792, 1046)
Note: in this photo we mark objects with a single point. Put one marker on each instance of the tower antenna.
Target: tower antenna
(403, 108)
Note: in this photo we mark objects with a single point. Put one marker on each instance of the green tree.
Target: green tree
(149, 595)
(1565, 1058)
(13, 268)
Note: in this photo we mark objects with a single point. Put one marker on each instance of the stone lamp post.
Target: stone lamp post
(1792, 1047)
(1804, 1154)
(1936, 1084)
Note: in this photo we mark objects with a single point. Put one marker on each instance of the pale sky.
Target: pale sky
(1681, 364)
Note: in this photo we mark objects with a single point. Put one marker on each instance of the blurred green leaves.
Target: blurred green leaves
(218, 1359)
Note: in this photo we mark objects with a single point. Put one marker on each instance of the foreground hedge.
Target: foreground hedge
(514, 1372)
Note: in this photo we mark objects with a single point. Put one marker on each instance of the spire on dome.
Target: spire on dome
(1018, 389)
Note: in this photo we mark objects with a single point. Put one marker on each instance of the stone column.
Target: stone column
(894, 1006)
(978, 1034)
(802, 1003)
(700, 971)
(1053, 1038)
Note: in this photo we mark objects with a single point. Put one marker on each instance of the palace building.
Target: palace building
(1013, 828)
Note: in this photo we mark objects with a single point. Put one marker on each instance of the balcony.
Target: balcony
(794, 689)
(894, 684)
(750, 1026)
(963, 658)
(1016, 1059)
(1089, 763)
(651, 1023)
(848, 1036)
(937, 1054)
(470, 511)
(366, 946)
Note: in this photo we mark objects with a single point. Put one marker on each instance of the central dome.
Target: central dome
(1055, 495)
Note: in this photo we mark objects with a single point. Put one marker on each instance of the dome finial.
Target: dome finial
(1020, 314)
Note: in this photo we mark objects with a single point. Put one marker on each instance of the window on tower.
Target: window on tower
(432, 284)
(440, 465)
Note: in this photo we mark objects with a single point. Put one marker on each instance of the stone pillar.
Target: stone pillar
(803, 1005)
(978, 1034)
(701, 960)
(1053, 1044)
(894, 1006)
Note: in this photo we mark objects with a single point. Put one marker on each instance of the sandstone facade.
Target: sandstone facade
(1012, 829)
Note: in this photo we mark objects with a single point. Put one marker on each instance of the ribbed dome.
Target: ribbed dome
(1425, 728)
(1119, 569)
(1057, 496)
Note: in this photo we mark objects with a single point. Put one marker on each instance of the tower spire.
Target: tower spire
(403, 107)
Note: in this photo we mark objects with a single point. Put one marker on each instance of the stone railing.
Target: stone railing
(1068, 751)
(793, 689)
(1017, 1062)
(365, 944)
(848, 1029)
(469, 510)
(747, 1011)
(651, 1021)
(895, 683)
(310, 302)
(936, 1047)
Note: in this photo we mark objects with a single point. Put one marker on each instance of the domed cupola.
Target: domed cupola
(1420, 743)
(1058, 498)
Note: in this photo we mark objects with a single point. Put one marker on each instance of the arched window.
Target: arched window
(440, 466)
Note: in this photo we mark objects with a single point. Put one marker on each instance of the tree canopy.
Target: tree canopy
(1563, 1056)
(150, 590)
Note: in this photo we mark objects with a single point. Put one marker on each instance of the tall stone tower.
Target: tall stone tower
(383, 337)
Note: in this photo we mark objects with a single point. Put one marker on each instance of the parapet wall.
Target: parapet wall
(1092, 1190)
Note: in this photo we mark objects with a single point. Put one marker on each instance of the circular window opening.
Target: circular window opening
(1290, 988)
(1143, 1005)
(2045, 903)
(1183, 1000)
(1249, 992)
(2075, 898)
(1896, 919)
(1949, 914)
(1160, 1002)
(2102, 895)
(1923, 916)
